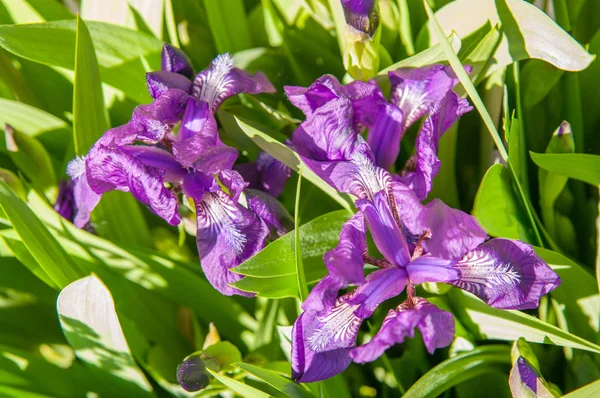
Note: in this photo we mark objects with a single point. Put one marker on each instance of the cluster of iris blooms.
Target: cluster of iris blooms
(172, 147)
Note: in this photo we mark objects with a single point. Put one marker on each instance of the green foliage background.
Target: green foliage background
(114, 314)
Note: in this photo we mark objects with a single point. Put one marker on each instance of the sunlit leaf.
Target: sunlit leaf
(528, 32)
(460, 368)
(579, 166)
(87, 315)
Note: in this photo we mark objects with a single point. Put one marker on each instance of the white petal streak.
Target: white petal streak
(215, 83)
(336, 329)
(217, 216)
(480, 269)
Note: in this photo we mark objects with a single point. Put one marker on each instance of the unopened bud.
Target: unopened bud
(192, 374)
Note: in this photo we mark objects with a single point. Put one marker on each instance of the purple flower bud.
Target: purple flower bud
(192, 374)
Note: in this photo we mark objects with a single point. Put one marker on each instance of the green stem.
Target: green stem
(487, 120)
(171, 24)
(301, 277)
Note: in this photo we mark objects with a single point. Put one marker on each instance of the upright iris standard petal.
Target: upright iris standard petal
(453, 232)
(506, 274)
(159, 82)
(385, 135)
(197, 144)
(321, 340)
(115, 169)
(436, 327)
(309, 99)
(221, 80)
(84, 197)
(385, 230)
(174, 60)
(272, 212)
(424, 165)
(415, 90)
(152, 122)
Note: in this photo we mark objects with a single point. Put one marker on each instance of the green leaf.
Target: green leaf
(528, 32)
(30, 156)
(582, 167)
(497, 208)
(272, 271)
(300, 276)
(90, 121)
(87, 315)
(426, 57)
(537, 80)
(39, 241)
(288, 157)
(591, 390)
(578, 293)
(494, 324)
(228, 24)
(224, 353)
(460, 368)
(32, 121)
(275, 380)
(162, 276)
(243, 389)
(121, 52)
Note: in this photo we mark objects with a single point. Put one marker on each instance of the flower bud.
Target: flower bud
(361, 38)
(192, 374)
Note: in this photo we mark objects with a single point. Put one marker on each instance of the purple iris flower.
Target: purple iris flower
(414, 94)
(172, 145)
(419, 243)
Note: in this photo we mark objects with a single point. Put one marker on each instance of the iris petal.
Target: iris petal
(221, 80)
(175, 61)
(322, 339)
(160, 82)
(506, 274)
(436, 327)
(228, 234)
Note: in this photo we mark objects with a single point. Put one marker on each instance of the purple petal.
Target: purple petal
(174, 60)
(321, 339)
(361, 15)
(385, 229)
(65, 203)
(150, 123)
(345, 261)
(308, 365)
(159, 82)
(221, 80)
(84, 197)
(523, 374)
(436, 327)
(426, 165)
(431, 269)
(328, 134)
(197, 144)
(115, 169)
(506, 274)
(453, 232)
(228, 234)
(415, 90)
(385, 135)
(273, 174)
(272, 212)
(232, 181)
(323, 90)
